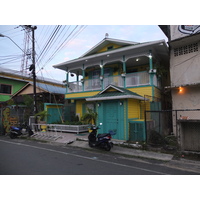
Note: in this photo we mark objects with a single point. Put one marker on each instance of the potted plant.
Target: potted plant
(42, 117)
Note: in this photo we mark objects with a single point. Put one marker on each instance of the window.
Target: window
(110, 47)
(5, 89)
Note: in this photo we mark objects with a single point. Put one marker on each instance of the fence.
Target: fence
(181, 125)
(45, 128)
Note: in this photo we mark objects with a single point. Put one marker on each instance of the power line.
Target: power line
(49, 42)
(60, 46)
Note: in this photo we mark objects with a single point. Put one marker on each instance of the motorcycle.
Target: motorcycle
(18, 131)
(100, 140)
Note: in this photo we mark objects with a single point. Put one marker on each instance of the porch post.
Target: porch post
(67, 78)
(102, 72)
(151, 68)
(151, 71)
(124, 70)
(83, 74)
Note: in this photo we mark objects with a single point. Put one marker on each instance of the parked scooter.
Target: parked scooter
(17, 131)
(100, 140)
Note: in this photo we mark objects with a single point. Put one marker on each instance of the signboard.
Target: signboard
(179, 31)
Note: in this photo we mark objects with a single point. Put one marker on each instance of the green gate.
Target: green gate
(137, 131)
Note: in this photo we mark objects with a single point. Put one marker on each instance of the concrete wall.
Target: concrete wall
(184, 69)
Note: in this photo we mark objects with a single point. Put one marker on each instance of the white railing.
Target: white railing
(132, 79)
(74, 86)
(114, 80)
(59, 128)
(92, 84)
(137, 79)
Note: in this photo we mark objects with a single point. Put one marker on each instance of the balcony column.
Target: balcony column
(124, 70)
(67, 79)
(151, 68)
(102, 73)
(151, 71)
(83, 74)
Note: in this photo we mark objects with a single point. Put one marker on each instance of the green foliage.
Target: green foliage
(43, 114)
(28, 101)
(73, 123)
(10, 102)
(155, 138)
(89, 117)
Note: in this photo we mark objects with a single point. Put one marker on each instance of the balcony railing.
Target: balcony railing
(92, 84)
(132, 80)
(137, 79)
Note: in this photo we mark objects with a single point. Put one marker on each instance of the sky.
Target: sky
(80, 39)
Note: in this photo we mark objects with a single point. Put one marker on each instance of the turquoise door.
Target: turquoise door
(54, 115)
(111, 117)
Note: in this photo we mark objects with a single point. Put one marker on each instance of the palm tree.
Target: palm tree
(89, 117)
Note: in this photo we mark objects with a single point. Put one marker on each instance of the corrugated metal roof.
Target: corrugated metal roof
(51, 88)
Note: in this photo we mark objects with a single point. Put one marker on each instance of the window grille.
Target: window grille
(186, 49)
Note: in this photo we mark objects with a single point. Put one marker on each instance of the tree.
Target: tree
(89, 117)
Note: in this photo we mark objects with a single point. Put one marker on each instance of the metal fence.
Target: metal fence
(180, 127)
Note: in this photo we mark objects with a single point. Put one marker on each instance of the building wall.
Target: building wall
(146, 90)
(105, 48)
(16, 86)
(133, 109)
(184, 63)
(188, 98)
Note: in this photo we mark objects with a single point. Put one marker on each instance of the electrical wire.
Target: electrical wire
(48, 43)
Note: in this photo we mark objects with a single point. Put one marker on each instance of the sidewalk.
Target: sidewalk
(81, 141)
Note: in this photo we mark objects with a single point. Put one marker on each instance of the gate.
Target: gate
(182, 124)
(137, 131)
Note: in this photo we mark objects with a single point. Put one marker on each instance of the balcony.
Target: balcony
(131, 80)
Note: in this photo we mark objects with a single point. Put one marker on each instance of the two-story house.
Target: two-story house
(119, 80)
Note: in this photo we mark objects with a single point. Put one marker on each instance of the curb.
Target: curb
(128, 151)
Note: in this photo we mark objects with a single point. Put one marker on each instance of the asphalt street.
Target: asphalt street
(25, 157)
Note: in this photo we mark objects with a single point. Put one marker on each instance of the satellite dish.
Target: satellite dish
(107, 35)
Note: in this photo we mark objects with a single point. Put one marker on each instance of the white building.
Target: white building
(184, 43)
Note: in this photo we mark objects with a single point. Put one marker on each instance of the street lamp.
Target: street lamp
(1, 35)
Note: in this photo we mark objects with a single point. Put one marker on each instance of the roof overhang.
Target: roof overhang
(160, 46)
(115, 97)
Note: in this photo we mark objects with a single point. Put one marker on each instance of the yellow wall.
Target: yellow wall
(133, 108)
(105, 48)
(79, 109)
(142, 90)
(157, 92)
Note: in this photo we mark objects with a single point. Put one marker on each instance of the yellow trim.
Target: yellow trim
(81, 94)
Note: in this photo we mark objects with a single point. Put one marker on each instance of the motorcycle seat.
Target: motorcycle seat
(103, 135)
(15, 128)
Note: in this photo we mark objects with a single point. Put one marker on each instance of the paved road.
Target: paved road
(23, 157)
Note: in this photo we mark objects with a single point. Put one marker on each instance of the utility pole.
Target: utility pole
(32, 67)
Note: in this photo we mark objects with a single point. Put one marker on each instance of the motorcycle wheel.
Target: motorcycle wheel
(107, 146)
(12, 136)
(91, 144)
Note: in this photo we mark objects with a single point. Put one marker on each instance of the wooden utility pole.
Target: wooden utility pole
(32, 67)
